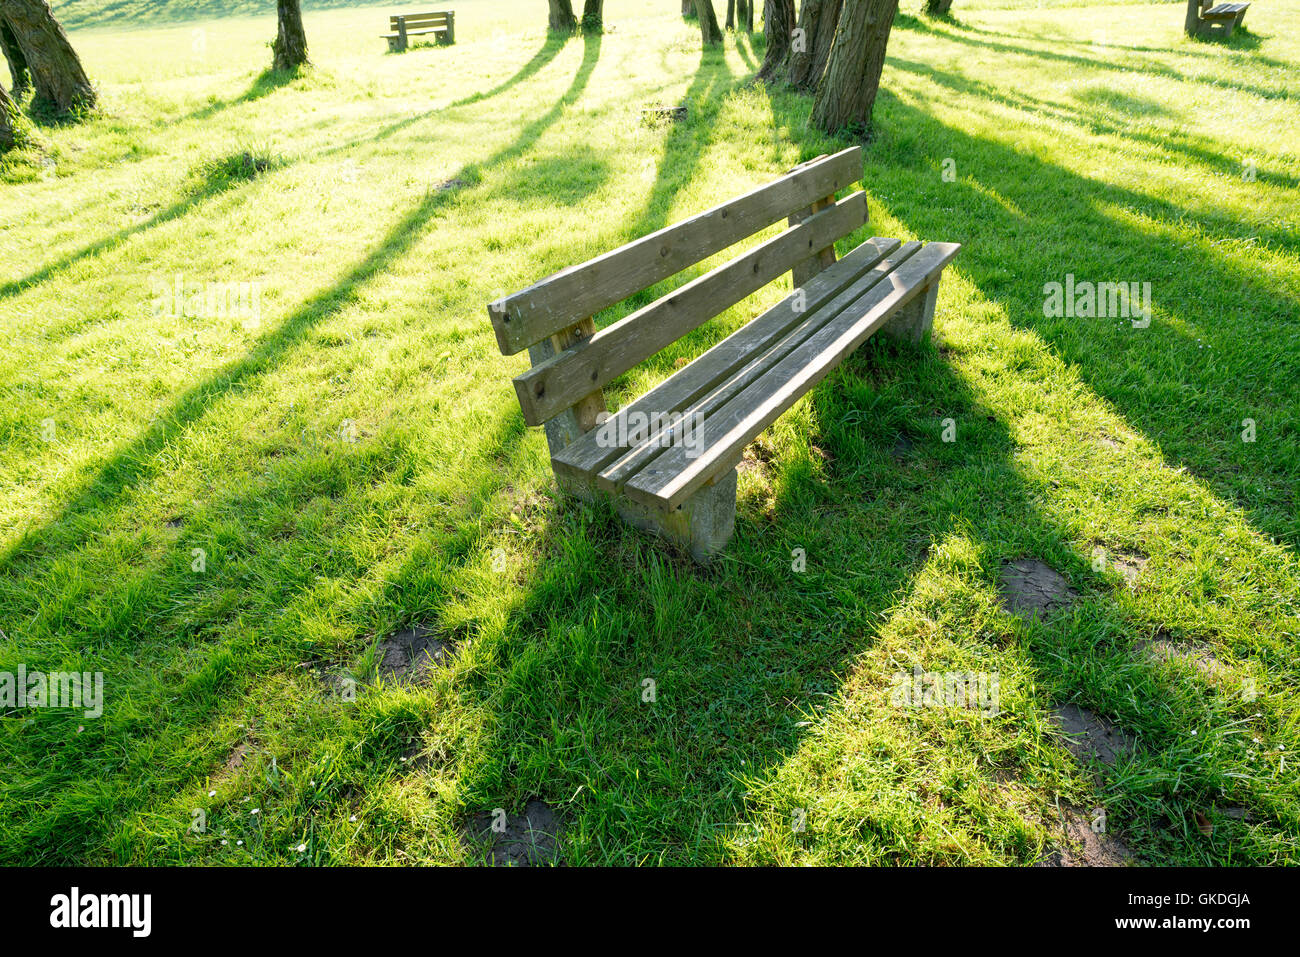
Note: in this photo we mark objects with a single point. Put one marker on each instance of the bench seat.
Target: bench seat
(1224, 11)
(734, 391)
(1220, 19)
(668, 460)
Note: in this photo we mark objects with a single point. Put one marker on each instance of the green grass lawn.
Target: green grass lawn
(354, 463)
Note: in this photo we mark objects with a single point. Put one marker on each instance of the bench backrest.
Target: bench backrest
(419, 21)
(559, 308)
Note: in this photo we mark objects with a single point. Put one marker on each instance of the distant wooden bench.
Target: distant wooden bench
(442, 25)
(669, 458)
(1204, 20)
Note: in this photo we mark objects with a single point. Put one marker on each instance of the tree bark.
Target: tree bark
(290, 45)
(57, 74)
(938, 8)
(593, 16)
(709, 29)
(7, 112)
(561, 17)
(817, 20)
(13, 54)
(778, 25)
(747, 14)
(848, 90)
(731, 14)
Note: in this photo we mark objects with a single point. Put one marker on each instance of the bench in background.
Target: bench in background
(1205, 20)
(669, 458)
(441, 25)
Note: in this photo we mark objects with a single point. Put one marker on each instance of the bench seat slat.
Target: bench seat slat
(1224, 10)
(617, 474)
(578, 292)
(673, 476)
(588, 455)
(549, 388)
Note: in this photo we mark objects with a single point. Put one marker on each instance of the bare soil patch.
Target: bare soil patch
(1080, 845)
(1089, 735)
(529, 839)
(412, 654)
(1032, 589)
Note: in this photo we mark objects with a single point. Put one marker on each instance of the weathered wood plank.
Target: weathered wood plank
(806, 268)
(584, 290)
(673, 476)
(588, 455)
(557, 384)
(418, 19)
(587, 409)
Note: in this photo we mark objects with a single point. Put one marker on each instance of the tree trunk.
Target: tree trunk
(57, 75)
(13, 53)
(290, 45)
(848, 90)
(938, 8)
(593, 16)
(778, 25)
(7, 113)
(747, 14)
(561, 18)
(731, 14)
(688, 9)
(817, 20)
(709, 29)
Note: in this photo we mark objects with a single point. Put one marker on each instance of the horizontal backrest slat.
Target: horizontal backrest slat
(578, 292)
(552, 386)
(419, 19)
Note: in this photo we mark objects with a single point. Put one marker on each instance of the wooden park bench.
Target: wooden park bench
(669, 458)
(1205, 20)
(442, 25)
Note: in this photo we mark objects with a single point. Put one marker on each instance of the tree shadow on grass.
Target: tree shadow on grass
(213, 180)
(551, 47)
(1108, 115)
(128, 464)
(84, 821)
(1196, 358)
(266, 83)
(1087, 57)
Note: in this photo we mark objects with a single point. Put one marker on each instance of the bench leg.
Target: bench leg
(702, 525)
(823, 258)
(574, 422)
(914, 321)
(392, 44)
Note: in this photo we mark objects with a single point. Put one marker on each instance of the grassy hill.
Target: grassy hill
(135, 13)
(234, 516)
(121, 13)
